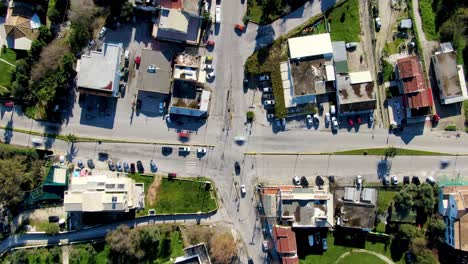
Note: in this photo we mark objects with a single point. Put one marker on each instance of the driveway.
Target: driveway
(427, 46)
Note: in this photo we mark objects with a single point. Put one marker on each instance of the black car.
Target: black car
(53, 219)
(140, 167)
(415, 180)
(304, 182)
(237, 167)
(132, 168)
(103, 156)
(319, 181)
(91, 164)
(267, 96)
(406, 180)
(166, 150)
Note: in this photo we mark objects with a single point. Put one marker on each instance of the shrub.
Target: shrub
(388, 93)
(250, 116)
(51, 229)
(387, 71)
(451, 128)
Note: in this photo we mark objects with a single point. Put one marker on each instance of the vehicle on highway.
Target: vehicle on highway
(327, 118)
(351, 45)
(111, 165)
(350, 121)
(237, 168)
(140, 167)
(394, 180)
(309, 120)
(296, 180)
(444, 163)
(80, 164)
(218, 14)
(334, 123)
(267, 89)
(239, 27)
(102, 32)
(91, 164)
(210, 75)
(126, 167)
(161, 107)
(243, 190)
(184, 149)
(378, 24)
(264, 77)
(9, 104)
(201, 151)
(153, 166)
(118, 166)
(210, 43)
(132, 168)
(324, 244)
(269, 102)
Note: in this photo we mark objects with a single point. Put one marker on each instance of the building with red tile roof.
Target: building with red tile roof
(290, 260)
(411, 74)
(285, 244)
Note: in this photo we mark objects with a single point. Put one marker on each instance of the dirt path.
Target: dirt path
(153, 189)
(65, 255)
(380, 256)
(427, 45)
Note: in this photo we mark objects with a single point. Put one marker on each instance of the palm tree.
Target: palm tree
(390, 152)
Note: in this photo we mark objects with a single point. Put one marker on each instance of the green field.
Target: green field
(6, 70)
(361, 258)
(384, 199)
(344, 22)
(182, 196)
(428, 18)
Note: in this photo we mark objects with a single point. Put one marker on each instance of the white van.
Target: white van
(218, 14)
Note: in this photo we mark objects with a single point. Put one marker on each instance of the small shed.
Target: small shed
(406, 24)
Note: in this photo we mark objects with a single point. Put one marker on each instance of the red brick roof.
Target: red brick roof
(420, 99)
(290, 260)
(285, 239)
(411, 74)
(177, 4)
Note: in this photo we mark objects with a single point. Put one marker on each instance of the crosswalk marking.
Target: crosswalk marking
(191, 164)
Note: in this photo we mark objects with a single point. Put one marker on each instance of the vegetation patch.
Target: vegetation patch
(451, 128)
(185, 196)
(344, 22)
(266, 11)
(428, 18)
(387, 71)
(361, 258)
(393, 47)
(385, 199)
(382, 152)
(6, 70)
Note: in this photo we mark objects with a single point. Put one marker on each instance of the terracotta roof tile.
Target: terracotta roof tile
(290, 260)
(421, 99)
(285, 239)
(411, 74)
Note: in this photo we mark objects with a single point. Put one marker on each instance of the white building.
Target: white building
(453, 206)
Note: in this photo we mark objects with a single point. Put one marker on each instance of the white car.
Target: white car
(118, 166)
(269, 102)
(267, 89)
(334, 123)
(209, 66)
(351, 45)
(327, 118)
(296, 180)
(394, 180)
(218, 14)
(264, 78)
(316, 118)
(168, 118)
(243, 189)
(239, 139)
(102, 32)
(201, 151)
(161, 107)
(332, 109)
(378, 24)
(310, 122)
(210, 75)
(184, 149)
(358, 181)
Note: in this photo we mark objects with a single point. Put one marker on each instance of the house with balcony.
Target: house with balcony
(453, 207)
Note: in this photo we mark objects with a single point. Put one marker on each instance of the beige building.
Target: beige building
(20, 27)
(104, 194)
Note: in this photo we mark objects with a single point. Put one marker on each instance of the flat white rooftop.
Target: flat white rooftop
(360, 77)
(309, 46)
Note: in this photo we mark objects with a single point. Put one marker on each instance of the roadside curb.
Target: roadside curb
(104, 140)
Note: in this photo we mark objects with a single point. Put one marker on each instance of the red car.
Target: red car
(359, 120)
(350, 121)
(9, 104)
(239, 27)
(184, 134)
(138, 60)
(210, 43)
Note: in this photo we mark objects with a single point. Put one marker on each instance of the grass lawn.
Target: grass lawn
(6, 73)
(381, 151)
(180, 196)
(428, 19)
(361, 258)
(147, 180)
(344, 22)
(384, 199)
(335, 251)
(393, 47)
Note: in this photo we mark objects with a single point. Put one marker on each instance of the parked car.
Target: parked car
(91, 164)
(132, 168)
(237, 168)
(296, 180)
(334, 123)
(243, 190)
(264, 78)
(91, 43)
(166, 150)
(358, 181)
(316, 118)
(210, 43)
(102, 32)
(309, 120)
(324, 244)
(319, 181)
(332, 110)
(153, 166)
(267, 96)
(304, 182)
(210, 75)
(126, 167)
(239, 27)
(111, 165)
(270, 115)
(371, 119)
(267, 89)
(350, 121)
(209, 66)
(378, 24)
(351, 45)
(118, 166)
(269, 102)
(415, 180)
(385, 180)
(430, 180)
(201, 151)
(184, 149)
(161, 107)
(358, 120)
(140, 167)
(394, 180)
(406, 180)
(327, 118)
(80, 164)
(218, 14)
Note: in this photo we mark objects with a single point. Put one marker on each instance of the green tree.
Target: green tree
(71, 138)
(125, 244)
(436, 230)
(80, 34)
(127, 11)
(390, 152)
(425, 200)
(403, 200)
(18, 257)
(271, 6)
(407, 232)
(14, 181)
